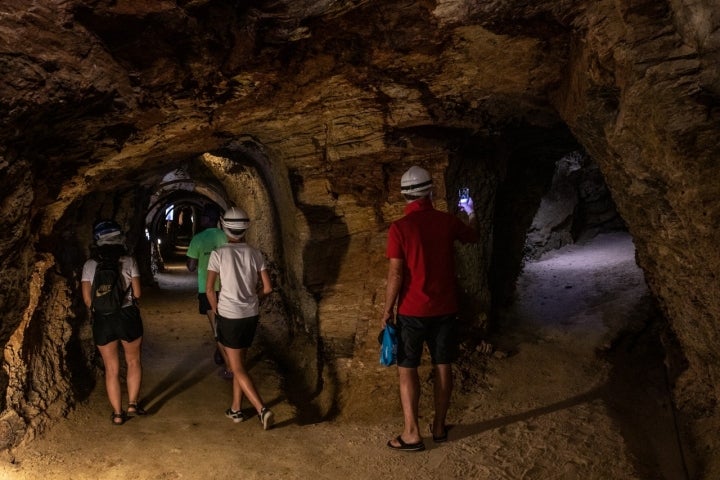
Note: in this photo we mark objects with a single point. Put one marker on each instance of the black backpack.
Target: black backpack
(107, 290)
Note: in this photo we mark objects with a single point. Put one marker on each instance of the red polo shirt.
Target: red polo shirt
(424, 240)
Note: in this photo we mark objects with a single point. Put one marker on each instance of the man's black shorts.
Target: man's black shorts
(236, 332)
(125, 325)
(203, 304)
(440, 334)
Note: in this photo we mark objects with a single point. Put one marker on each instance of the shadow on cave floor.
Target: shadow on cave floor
(585, 331)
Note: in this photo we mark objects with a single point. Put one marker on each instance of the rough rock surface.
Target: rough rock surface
(314, 109)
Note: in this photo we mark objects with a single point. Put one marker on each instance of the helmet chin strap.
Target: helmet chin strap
(235, 219)
(411, 198)
(233, 236)
(115, 239)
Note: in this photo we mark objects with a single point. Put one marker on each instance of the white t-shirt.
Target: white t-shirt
(128, 270)
(238, 266)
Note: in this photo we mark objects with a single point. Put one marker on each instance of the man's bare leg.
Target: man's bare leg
(410, 401)
(442, 390)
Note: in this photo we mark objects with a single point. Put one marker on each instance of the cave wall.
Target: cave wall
(642, 96)
(342, 97)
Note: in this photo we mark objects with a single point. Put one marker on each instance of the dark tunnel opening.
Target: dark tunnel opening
(540, 197)
(563, 266)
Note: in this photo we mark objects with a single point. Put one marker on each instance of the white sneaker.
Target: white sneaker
(267, 418)
(235, 415)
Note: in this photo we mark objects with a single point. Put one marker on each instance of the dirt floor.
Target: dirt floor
(574, 390)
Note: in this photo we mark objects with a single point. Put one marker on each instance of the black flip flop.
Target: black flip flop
(406, 447)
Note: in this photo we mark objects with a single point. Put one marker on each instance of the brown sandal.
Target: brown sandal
(135, 409)
(118, 418)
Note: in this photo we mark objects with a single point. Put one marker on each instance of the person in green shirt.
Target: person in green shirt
(198, 254)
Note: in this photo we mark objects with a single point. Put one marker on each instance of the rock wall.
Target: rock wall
(642, 69)
(105, 97)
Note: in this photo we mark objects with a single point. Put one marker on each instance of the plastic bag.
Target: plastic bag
(388, 346)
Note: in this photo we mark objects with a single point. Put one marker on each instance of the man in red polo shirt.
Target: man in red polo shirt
(421, 281)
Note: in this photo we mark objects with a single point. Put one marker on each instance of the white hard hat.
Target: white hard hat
(416, 181)
(235, 222)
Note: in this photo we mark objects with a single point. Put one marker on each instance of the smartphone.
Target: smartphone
(464, 194)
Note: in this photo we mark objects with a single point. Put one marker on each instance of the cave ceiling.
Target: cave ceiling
(106, 92)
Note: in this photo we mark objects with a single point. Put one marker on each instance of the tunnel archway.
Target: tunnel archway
(243, 175)
(169, 233)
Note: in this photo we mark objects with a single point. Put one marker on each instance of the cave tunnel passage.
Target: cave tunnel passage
(173, 218)
(159, 211)
(581, 290)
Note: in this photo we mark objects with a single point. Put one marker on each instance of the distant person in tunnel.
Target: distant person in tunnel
(117, 327)
(237, 307)
(421, 283)
(198, 255)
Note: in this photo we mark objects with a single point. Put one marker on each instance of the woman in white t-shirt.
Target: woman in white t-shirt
(236, 307)
(120, 328)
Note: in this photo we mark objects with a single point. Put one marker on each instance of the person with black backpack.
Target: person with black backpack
(110, 288)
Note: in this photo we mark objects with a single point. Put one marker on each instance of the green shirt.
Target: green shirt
(200, 248)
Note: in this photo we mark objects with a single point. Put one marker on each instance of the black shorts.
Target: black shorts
(203, 304)
(440, 334)
(236, 332)
(125, 325)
